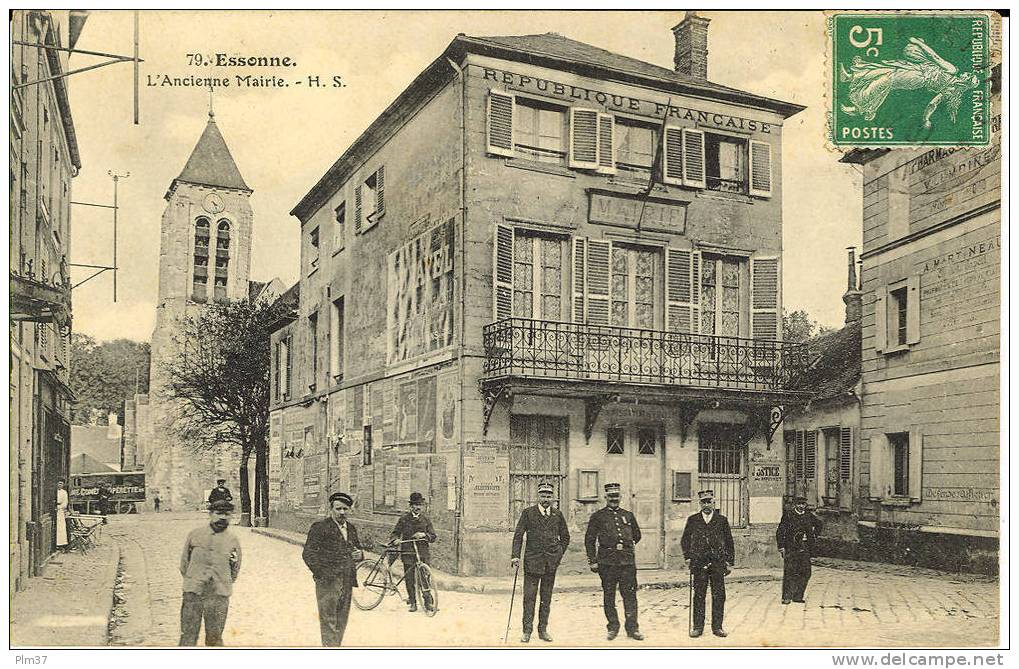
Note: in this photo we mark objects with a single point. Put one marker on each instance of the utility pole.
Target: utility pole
(116, 179)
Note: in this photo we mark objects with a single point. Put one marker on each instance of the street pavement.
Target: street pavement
(274, 605)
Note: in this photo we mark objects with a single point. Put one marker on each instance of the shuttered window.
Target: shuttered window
(846, 454)
(502, 261)
(606, 144)
(579, 283)
(538, 277)
(682, 289)
(358, 210)
(598, 271)
(764, 298)
(635, 147)
(725, 160)
(897, 315)
(810, 455)
(791, 452)
(693, 158)
(583, 138)
(799, 456)
(672, 167)
(760, 169)
(540, 131)
(500, 123)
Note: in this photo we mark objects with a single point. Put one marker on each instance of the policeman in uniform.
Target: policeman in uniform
(611, 536)
(796, 535)
(547, 539)
(708, 550)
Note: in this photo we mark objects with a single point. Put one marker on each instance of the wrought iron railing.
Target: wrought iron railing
(572, 351)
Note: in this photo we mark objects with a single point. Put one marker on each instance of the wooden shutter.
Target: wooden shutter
(579, 272)
(380, 198)
(682, 290)
(606, 144)
(598, 269)
(500, 123)
(916, 463)
(693, 158)
(290, 368)
(810, 455)
(502, 270)
(764, 306)
(913, 309)
(881, 319)
(357, 210)
(672, 155)
(846, 454)
(760, 169)
(799, 464)
(878, 461)
(584, 133)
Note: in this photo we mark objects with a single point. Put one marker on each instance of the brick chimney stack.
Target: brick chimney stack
(853, 297)
(692, 46)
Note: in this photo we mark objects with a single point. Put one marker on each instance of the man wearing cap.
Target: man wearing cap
(220, 492)
(796, 535)
(547, 539)
(332, 552)
(708, 550)
(615, 533)
(210, 563)
(414, 525)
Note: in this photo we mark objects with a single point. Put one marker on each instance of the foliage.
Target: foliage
(104, 374)
(798, 326)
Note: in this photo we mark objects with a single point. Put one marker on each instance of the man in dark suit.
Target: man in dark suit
(414, 525)
(332, 552)
(796, 536)
(547, 539)
(220, 492)
(708, 550)
(615, 533)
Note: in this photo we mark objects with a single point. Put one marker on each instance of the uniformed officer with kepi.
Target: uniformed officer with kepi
(709, 551)
(547, 539)
(796, 535)
(612, 534)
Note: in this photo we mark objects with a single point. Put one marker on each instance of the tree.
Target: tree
(104, 374)
(220, 381)
(798, 326)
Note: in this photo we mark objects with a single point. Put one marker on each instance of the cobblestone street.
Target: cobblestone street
(274, 604)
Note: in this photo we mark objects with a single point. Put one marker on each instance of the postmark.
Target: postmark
(910, 79)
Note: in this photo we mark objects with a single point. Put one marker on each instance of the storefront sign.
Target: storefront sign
(985, 495)
(767, 472)
(627, 212)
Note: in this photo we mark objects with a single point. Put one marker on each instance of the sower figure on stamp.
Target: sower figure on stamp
(414, 525)
(796, 536)
(332, 552)
(210, 563)
(615, 532)
(708, 550)
(547, 539)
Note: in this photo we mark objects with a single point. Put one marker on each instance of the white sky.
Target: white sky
(284, 139)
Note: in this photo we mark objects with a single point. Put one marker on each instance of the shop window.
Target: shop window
(616, 440)
(540, 131)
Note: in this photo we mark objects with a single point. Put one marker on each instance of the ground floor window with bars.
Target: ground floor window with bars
(722, 467)
(536, 455)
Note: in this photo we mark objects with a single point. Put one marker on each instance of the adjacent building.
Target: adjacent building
(929, 477)
(43, 161)
(543, 262)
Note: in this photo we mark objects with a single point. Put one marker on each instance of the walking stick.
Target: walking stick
(513, 594)
(689, 609)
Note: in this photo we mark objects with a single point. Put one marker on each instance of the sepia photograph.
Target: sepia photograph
(508, 329)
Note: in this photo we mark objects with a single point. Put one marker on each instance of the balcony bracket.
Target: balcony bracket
(777, 416)
(687, 413)
(490, 396)
(592, 407)
(762, 420)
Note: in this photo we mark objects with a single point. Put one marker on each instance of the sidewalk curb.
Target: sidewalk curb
(452, 583)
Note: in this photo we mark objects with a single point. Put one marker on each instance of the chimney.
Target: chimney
(853, 296)
(692, 46)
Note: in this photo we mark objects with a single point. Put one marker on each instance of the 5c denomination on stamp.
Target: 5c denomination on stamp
(910, 79)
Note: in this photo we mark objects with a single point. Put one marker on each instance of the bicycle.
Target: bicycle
(375, 579)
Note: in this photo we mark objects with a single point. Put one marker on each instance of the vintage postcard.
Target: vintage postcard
(506, 329)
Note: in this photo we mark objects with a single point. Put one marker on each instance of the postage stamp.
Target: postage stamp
(910, 79)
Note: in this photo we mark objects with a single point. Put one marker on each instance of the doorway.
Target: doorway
(634, 455)
(722, 467)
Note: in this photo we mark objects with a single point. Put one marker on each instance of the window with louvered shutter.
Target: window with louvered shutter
(503, 272)
(583, 138)
(789, 440)
(380, 198)
(693, 158)
(606, 148)
(682, 295)
(672, 166)
(846, 454)
(799, 456)
(358, 218)
(500, 123)
(810, 455)
(764, 284)
(579, 273)
(760, 169)
(598, 270)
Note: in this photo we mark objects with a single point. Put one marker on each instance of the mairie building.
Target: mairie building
(542, 262)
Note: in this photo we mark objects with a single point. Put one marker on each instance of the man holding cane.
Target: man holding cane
(547, 539)
(708, 550)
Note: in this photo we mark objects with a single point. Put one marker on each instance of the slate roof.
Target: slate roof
(835, 363)
(211, 163)
(84, 463)
(291, 298)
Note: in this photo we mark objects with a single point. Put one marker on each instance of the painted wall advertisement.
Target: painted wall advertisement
(420, 295)
(486, 485)
(275, 459)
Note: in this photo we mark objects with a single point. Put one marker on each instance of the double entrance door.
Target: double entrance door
(633, 459)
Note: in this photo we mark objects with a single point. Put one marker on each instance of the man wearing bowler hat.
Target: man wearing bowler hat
(414, 525)
(210, 563)
(332, 552)
(220, 492)
(796, 535)
(611, 538)
(708, 550)
(547, 539)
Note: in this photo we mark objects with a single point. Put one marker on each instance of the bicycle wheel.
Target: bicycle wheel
(426, 587)
(372, 583)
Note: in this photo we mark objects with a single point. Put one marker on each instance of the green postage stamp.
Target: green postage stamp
(910, 79)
